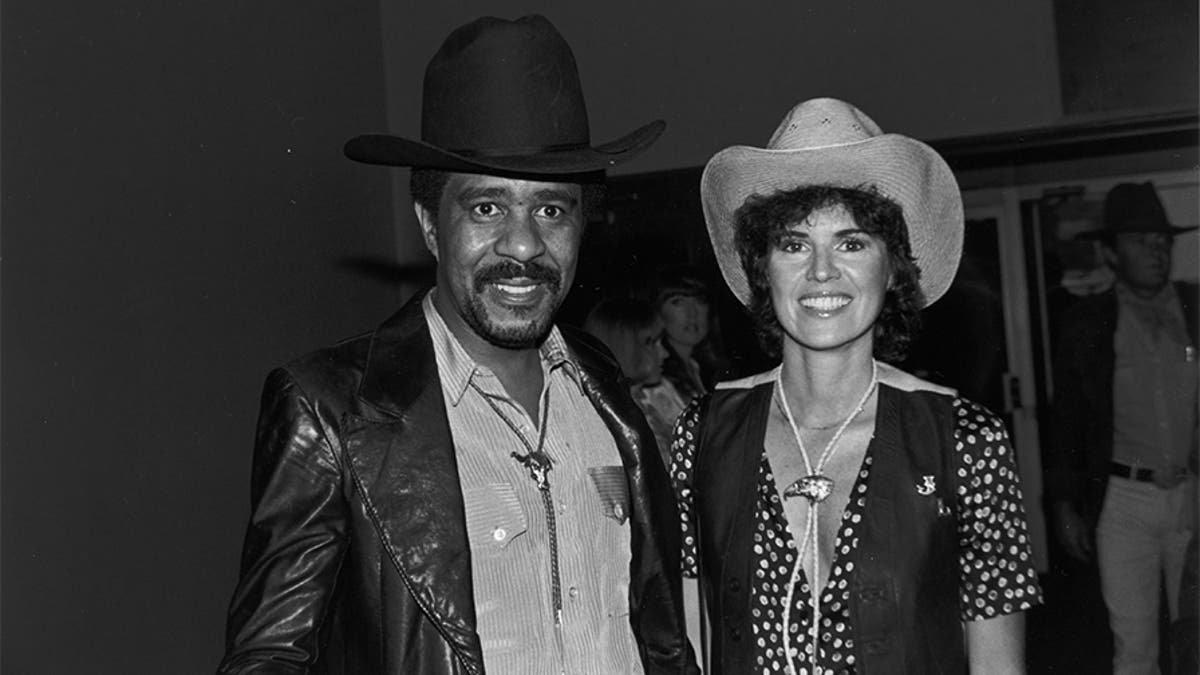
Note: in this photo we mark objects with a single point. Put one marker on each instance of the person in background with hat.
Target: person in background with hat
(1121, 463)
(469, 488)
(841, 514)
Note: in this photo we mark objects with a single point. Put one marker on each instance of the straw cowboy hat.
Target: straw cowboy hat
(1133, 207)
(825, 141)
(503, 97)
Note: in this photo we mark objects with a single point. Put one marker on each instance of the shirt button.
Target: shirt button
(573, 592)
(619, 512)
(499, 534)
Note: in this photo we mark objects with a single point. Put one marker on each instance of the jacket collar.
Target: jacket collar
(400, 365)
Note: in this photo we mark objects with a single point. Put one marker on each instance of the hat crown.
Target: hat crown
(1135, 207)
(499, 87)
(822, 123)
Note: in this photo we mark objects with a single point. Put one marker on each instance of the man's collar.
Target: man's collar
(1163, 297)
(457, 367)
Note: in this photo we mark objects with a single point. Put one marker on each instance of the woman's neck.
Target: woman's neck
(684, 351)
(822, 387)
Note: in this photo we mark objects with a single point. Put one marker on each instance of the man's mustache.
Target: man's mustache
(504, 271)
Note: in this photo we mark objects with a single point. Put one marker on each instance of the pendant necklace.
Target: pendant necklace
(815, 487)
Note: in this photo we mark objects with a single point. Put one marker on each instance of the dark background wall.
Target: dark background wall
(175, 213)
(177, 218)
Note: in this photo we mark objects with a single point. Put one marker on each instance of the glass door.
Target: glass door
(976, 339)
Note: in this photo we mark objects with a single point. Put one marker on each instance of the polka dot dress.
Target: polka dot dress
(997, 575)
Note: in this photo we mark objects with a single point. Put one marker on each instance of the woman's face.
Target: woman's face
(645, 357)
(828, 282)
(685, 318)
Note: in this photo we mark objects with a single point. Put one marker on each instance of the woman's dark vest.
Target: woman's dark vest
(904, 594)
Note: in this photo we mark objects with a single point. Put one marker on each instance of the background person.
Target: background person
(684, 302)
(1124, 425)
(844, 516)
(633, 331)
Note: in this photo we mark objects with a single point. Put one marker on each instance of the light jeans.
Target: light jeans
(1140, 543)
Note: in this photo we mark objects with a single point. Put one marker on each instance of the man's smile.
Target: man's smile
(522, 292)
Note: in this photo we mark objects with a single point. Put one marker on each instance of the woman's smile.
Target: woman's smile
(825, 304)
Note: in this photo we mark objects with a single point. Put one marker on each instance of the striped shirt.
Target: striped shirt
(516, 549)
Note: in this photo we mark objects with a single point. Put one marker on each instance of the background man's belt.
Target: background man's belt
(1138, 473)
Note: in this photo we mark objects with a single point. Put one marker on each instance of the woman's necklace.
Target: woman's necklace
(815, 487)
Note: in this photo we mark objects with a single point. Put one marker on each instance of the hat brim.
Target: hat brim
(1100, 234)
(388, 150)
(901, 168)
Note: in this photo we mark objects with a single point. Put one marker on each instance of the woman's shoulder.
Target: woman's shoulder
(968, 414)
(971, 417)
(898, 379)
(750, 381)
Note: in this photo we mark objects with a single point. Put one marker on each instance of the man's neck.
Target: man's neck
(519, 370)
(1142, 292)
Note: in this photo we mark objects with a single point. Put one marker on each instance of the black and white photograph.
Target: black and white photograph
(534, 338)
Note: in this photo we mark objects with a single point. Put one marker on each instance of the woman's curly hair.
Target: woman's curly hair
(761, 222)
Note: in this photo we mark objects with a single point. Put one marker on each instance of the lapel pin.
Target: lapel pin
(927, 486)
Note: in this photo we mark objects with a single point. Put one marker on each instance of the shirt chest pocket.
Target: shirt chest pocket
(612, 488)
(494, 517)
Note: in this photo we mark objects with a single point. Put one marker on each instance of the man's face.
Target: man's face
(506, 251)
(1142, 259)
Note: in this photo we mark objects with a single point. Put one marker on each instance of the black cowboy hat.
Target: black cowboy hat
(1133, 207)
(503, 97)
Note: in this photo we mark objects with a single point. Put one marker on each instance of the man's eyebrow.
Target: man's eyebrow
(499, 193)
(556, 195)
(472, 193)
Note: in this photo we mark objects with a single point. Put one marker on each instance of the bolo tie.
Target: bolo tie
(538, 463)
(816, 488)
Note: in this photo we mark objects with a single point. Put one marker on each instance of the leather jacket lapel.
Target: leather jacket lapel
(404, 466)
(605, 390)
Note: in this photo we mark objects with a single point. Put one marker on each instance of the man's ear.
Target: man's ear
(428, 228)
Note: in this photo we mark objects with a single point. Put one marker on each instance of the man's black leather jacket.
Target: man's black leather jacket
(356, 557)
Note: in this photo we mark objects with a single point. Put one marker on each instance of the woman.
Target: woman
(682, 300)
(633, 332)
(899, 499)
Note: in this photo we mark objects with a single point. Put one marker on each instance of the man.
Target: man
(468, 487)
(1124, 425)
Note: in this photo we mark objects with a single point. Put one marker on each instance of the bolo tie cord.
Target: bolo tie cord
(815, 487)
